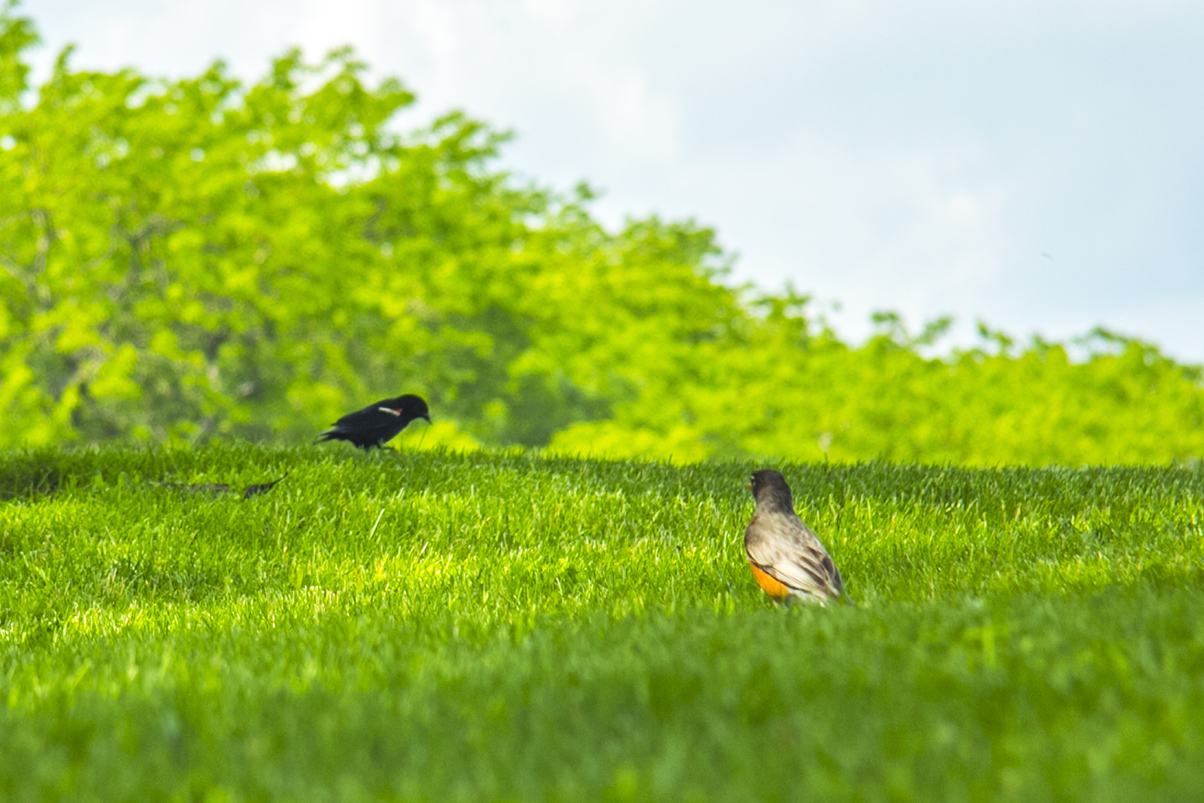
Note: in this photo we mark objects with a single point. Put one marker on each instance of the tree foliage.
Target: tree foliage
(200, 258)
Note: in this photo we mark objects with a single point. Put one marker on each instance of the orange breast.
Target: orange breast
(772, 587)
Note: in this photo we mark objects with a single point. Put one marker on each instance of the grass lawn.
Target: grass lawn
(490, 627)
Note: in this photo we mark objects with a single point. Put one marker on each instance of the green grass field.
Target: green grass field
(399, 626)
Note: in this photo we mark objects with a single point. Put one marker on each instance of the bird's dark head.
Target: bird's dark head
(770, 490)
(409, 407)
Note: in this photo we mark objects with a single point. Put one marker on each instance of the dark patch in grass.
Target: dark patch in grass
(28, 474)
(215, 488)
(260, 488)
(197, 487)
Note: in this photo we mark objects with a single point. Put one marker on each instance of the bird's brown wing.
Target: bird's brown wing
(786, 549)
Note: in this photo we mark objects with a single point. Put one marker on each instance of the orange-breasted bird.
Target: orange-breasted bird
(787, 559)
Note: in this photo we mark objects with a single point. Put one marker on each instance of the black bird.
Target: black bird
(377, 423)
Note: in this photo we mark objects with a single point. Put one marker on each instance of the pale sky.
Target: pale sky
(1036, 165)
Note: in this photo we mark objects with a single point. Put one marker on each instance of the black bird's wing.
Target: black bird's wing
(373, 424)
(371, 417)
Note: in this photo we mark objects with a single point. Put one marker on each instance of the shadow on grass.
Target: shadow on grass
(28, 474)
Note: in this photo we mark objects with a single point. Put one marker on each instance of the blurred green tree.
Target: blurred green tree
(199, 258)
